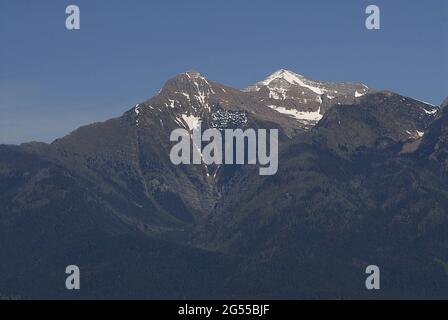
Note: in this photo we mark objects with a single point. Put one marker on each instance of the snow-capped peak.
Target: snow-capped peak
(284, 84)
(291, 78)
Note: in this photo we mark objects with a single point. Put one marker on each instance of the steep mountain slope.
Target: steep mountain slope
(434, 145)
(361, 180)
(127, 158)
(52, 218)
(343, 145)
(325, 215)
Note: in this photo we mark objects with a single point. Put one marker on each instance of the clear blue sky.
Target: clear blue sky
(53, 80)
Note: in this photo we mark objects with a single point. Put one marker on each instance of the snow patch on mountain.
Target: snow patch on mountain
(284, 84)
(432, 111)
(171, 103)
(313, 116)
(292, 78)
(416, 134)
(137, 112)
(186, 95)
(191, 121)
(357, 94)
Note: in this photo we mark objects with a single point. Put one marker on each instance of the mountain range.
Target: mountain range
(362, 180)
